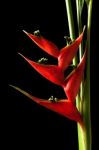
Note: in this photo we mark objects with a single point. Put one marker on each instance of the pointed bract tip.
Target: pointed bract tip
(15, 87)
(23, 56)
(25, 32)
(10, 85)
(20, 54)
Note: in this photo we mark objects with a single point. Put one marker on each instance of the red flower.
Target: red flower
(55, 74)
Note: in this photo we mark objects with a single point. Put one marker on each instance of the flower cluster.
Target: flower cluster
(55, 74)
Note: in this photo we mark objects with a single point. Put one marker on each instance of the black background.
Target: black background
(27, 124)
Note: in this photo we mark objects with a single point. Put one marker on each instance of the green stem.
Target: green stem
(86, 104)
(71, 24)
(84, 136)
(79, 22)
(81, 140)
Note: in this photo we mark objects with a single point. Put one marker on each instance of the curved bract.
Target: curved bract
(44, 44)
(51, 72)
(68, 52)
(63, 107)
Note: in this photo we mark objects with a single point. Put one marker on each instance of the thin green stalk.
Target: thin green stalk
(81, 140)
(86, 135)
(86, 105)
(71, 24)
(79, 22)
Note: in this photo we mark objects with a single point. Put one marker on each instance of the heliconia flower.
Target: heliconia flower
(72, 83)
(51, 72)
(65, 55)
(63, 107)
(44, 44)
(55, 74)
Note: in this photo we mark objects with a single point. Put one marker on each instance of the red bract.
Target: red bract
(50, 72)
(44, 44)
(63, 107)
(68, 52)
(72, 82)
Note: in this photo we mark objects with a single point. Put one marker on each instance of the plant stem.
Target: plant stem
(79, 22)
(84, 136)
(79, 102)
(71, 24)
(86, 104)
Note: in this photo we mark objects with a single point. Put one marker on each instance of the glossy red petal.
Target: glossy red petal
(63, 107)
(67, 53)
(44, 44)
(50, 72)
(72, 82)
